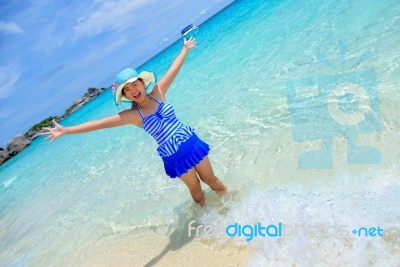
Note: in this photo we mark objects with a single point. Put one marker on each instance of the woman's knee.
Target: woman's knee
(209, 179)
(195, 188)
(194, 185)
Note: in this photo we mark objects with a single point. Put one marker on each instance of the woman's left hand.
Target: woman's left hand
(189, 44)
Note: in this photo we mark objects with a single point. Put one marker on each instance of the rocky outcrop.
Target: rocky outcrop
(20, 141)
(14, 146)
(4, 156)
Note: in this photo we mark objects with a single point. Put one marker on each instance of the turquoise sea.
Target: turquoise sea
(102, 198)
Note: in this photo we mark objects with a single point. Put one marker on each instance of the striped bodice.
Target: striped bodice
(166, 128)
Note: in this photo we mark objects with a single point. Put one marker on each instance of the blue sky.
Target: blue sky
(52, 51)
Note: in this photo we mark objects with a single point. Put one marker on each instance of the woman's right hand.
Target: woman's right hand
(190, 43)
(53, 133)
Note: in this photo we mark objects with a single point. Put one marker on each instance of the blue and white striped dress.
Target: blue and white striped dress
(166, 128)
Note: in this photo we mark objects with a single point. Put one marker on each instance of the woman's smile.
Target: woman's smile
(137, 96)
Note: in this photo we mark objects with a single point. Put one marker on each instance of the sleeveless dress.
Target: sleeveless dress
(178, 145)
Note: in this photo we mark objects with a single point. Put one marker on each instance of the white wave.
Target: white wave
(317, 225)
(7, 183)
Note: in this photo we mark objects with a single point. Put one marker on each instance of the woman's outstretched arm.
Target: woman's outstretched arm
(169, 77)
(119, 119)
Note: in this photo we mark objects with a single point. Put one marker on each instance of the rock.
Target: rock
(30, 134)
(77, 107)
(36, 134)
(92, 90)
(13, 153)
(90, 93)
(18, 143)
(77, 101)
(1, 149)
(4, 155)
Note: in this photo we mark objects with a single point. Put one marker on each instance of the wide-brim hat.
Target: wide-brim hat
(129, 75)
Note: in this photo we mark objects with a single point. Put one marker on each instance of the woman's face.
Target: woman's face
(134, 91)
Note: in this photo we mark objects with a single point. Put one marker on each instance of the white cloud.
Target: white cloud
(8, 78)
(108, 15)
(10, 27)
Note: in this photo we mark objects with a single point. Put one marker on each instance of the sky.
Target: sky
(51, 52)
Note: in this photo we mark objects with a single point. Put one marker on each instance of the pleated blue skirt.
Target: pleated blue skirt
(189, 154)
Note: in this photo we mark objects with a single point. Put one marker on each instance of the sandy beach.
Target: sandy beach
(158, 249)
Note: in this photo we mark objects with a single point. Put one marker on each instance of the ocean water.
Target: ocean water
(60, 201)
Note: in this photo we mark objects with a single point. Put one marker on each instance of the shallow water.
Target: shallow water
(61, 200)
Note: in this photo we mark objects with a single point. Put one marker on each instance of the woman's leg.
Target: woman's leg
(206, 174)
(193, 183)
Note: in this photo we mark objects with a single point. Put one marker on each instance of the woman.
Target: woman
(183, 153)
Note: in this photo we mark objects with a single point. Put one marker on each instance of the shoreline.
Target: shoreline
(20, 141)
(159, 247)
